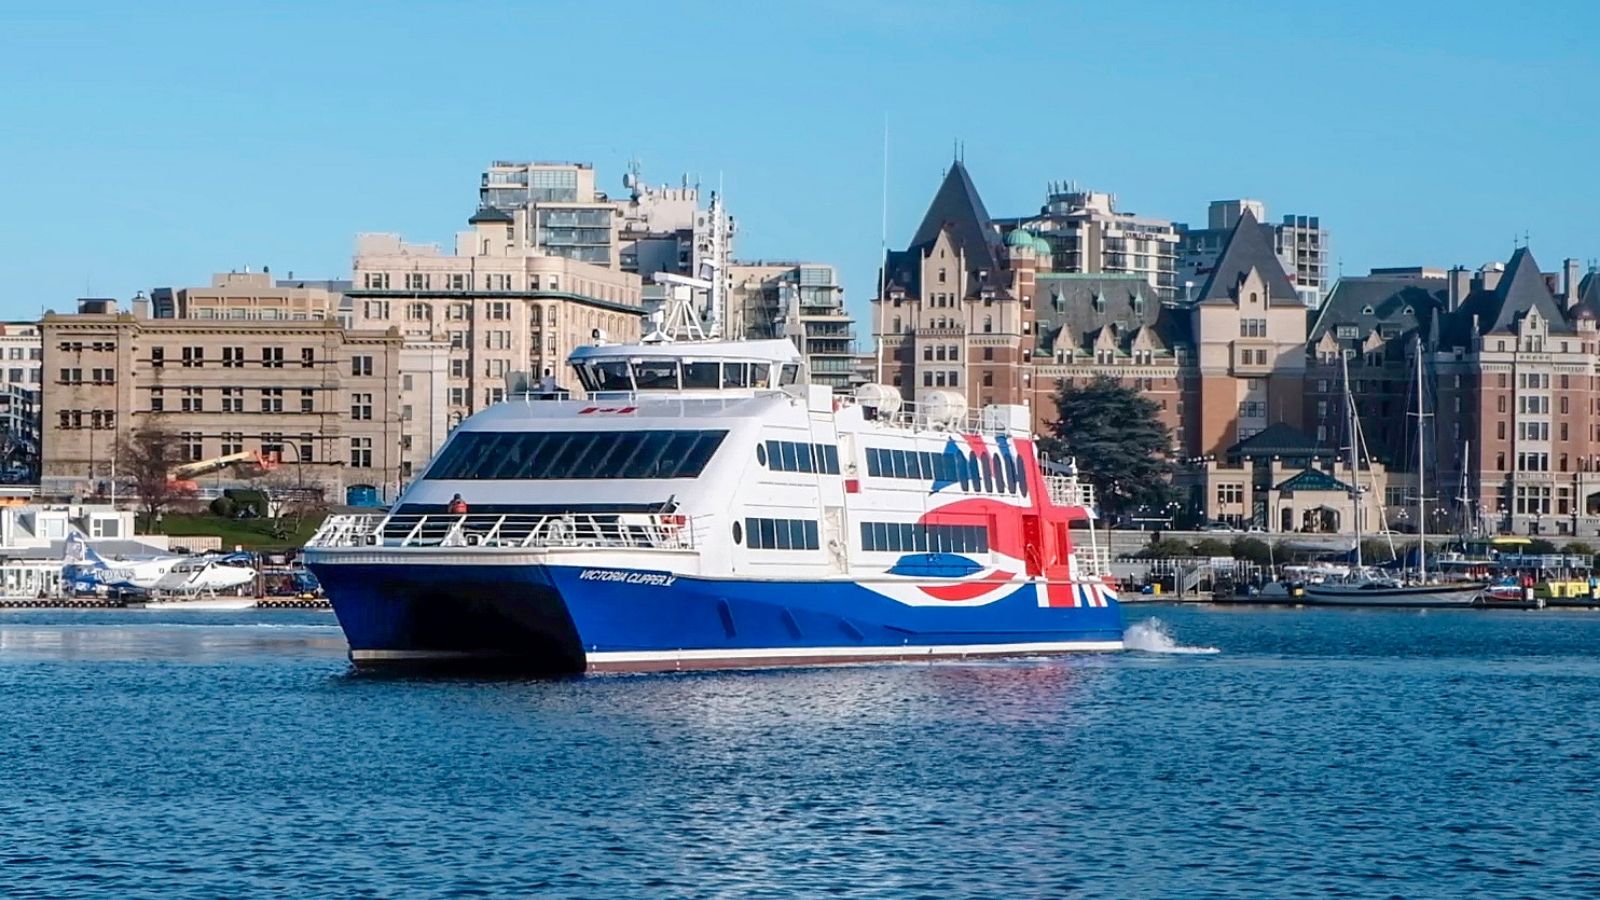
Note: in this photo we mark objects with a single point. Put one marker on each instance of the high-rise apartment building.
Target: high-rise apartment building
(803, 302)
(1300, 242)
(21, 381)
(1087, 234)
(554, 209)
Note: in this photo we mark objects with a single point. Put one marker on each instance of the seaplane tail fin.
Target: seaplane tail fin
(78, 552)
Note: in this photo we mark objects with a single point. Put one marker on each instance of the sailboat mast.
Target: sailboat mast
(1355, 461)
(1422, 481)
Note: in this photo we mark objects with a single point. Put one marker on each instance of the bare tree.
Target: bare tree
(145, 459)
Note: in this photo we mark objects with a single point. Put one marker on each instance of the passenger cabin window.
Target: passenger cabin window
(791, 374)
(735, 375)
(908, 537)
(781, 534)
(991, 473)
(790, 456)
(595, 455)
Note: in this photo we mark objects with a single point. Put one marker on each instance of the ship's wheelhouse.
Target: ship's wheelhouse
(701, 368)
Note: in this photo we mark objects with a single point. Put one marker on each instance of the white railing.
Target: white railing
(1093, 561)
(992, 420)
(631, 531)
(1067, 490)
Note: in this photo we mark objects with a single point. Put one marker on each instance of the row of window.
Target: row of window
(450, 281)
(95, 418)
(192, 400)
(908, 537)
(494, 455)
(1528, 431)
(234, 358)
(96, 376)
(191, 446)
(779, 534)
(78, 347)
(996, 475)
(792, 456)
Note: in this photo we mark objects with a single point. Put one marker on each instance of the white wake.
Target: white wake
(1155, 636)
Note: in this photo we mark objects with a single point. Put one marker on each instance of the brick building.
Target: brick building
(1519, 400)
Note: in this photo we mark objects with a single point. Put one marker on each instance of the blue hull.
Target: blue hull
(574, 619)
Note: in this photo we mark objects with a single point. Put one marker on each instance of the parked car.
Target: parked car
(1219, 527)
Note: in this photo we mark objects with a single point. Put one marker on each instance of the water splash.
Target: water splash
(1155, 636)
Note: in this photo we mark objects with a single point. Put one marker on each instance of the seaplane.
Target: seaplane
(187, 582)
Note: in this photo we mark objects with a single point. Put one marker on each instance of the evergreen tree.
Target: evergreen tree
(1120, 445)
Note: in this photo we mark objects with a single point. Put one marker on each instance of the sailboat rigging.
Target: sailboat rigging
(1363, 587)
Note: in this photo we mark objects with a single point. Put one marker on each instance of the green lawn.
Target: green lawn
(251, 534)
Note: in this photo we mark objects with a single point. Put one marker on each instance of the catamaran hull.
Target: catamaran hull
(1419, 596)
(570, 619)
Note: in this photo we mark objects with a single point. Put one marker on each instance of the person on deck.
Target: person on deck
(458, 506)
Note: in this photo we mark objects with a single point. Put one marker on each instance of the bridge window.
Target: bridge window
(656, 374)
(601, 455)
(702, 375)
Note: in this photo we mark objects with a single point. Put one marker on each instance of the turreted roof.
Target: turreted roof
(958, 207)
(1248, 250)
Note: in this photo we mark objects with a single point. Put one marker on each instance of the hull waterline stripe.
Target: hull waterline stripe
(780, 654)
(603, 659)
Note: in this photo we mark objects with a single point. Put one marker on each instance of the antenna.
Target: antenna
(883, 254)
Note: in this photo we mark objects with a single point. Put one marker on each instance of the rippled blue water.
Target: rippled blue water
(1356, 752)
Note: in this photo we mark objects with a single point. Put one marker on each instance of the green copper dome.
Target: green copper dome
(1042, 246)
(1020, 239)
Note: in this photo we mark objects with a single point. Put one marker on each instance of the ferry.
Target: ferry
(705, 506)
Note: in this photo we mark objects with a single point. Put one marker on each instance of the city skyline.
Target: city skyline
(1411, 145)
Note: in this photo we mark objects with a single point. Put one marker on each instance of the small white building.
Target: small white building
(37, 532)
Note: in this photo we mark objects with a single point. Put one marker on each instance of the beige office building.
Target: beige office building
(245, 295)
(325, 404)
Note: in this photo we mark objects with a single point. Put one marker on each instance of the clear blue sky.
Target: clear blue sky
(146, 144)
